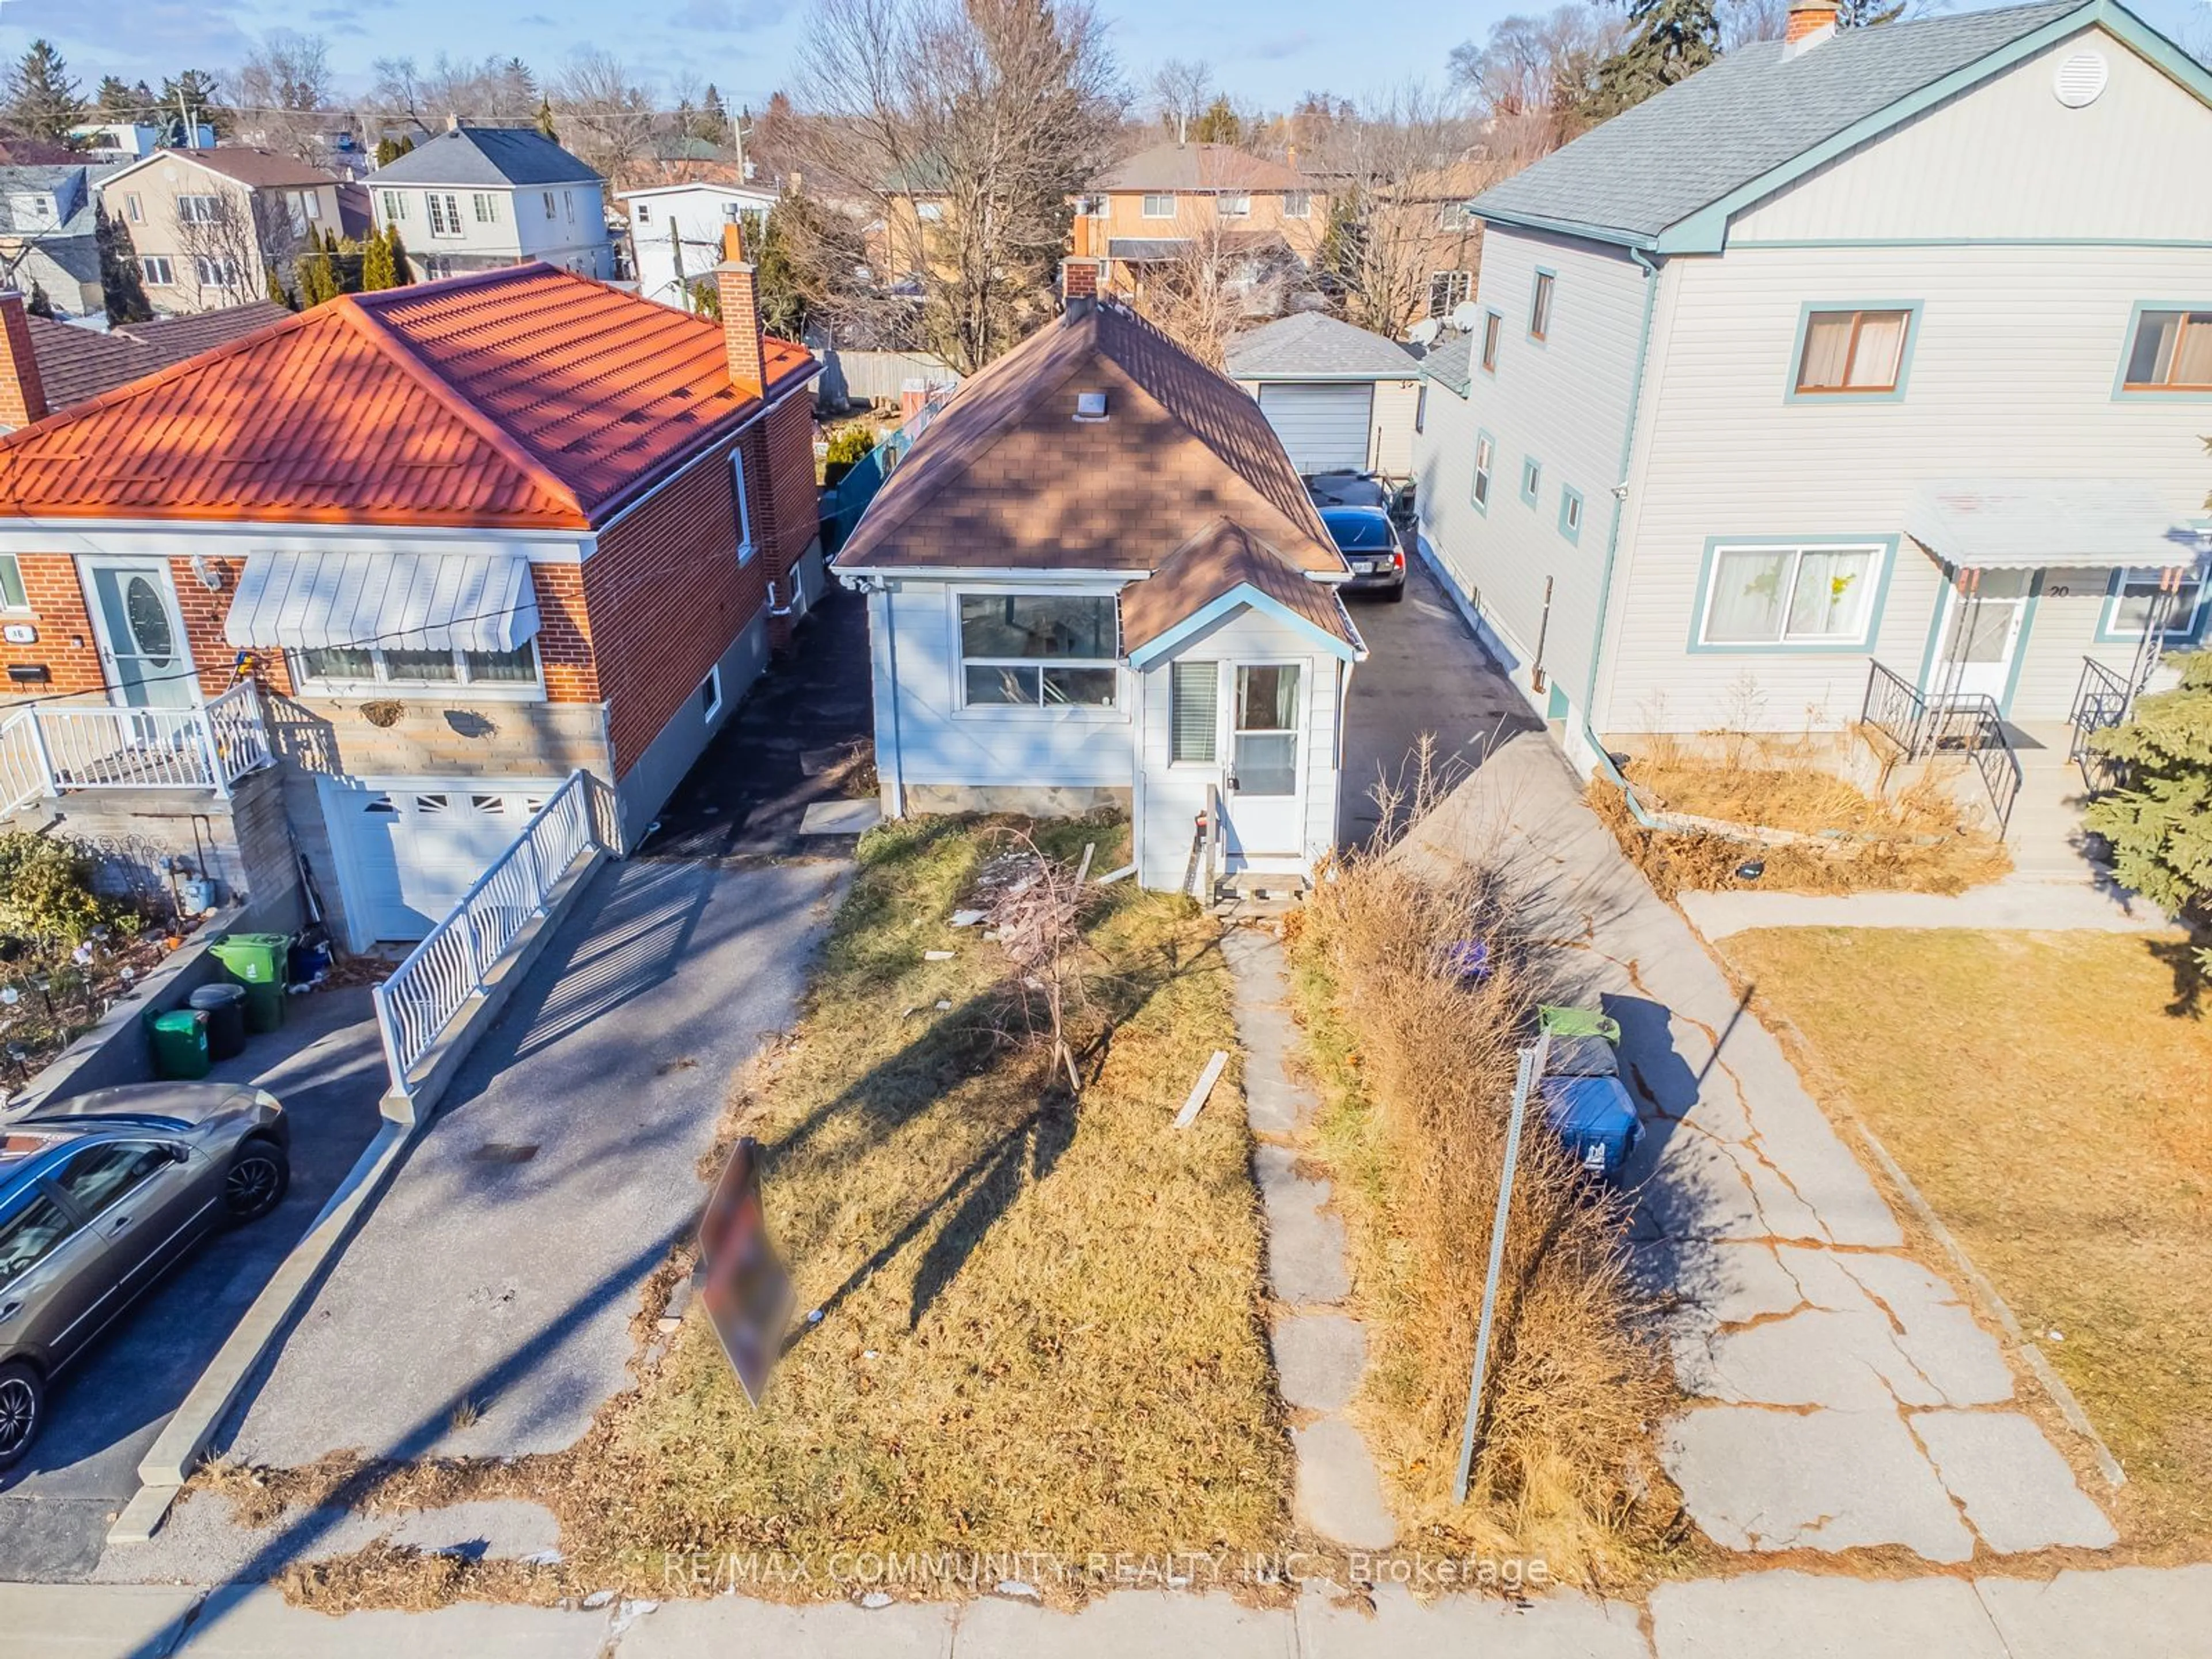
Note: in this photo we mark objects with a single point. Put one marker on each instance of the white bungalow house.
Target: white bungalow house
(1341, 398)
(1861, 377)
(1096, 580)
(676, 233)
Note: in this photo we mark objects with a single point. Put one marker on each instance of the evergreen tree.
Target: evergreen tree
(276, 294)
(2159, 822)
(713, 119)
(38, 304)
(389, 150)
(1217, 125)
(118, 101)
(317, 282)
(376, 271)
(545, 119)
(402, 274)
(42, 101)
(121, 286)
(1673, 40)
(195, 91)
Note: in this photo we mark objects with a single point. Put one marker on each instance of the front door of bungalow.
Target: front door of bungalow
(1265, 800)
(142, 650)
(1981, 637)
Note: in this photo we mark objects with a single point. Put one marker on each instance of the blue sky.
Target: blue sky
(1268, 53)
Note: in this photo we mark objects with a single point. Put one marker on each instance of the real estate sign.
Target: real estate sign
(743, 1283)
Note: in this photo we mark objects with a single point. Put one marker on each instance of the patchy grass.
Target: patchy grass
(2048, 1093)
(1417, 1074)
(1039, 1326)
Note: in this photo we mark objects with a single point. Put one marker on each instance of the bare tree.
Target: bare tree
(1532, 79)
(1182, 89)
(492, 90)
(1034, 904)
(1215, 289)
(1743, 21)
(964, 131)
(284, 93)
(231, 242)
(1402, 170)
(605, 113)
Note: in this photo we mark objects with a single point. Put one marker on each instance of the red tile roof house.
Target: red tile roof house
(462, 538)
(1097, 580)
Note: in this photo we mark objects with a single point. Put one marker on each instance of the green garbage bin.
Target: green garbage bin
(180, 1043)
(257, 962)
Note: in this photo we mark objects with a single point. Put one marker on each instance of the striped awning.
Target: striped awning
(404, 601)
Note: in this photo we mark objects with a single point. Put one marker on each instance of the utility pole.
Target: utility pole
(1525, 1078)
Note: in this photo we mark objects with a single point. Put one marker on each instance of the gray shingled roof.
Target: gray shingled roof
(1312, 344)
(486, 155)
(1752, 112)
(1452, 363)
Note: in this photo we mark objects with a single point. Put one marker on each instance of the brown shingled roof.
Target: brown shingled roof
(1200, 166)
(76, 364)
(1220, 558)
(1006, 476)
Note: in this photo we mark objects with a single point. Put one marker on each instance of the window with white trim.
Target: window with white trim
(2128, 607)
(1485, 457)
(1194, 712)
(157, 270)
(710, 693)
(486, 206)
(343, 669)
(745, 548)
(1158, 205)
(1298, 204)
(1236, 205)
(395, 204)
(550, 210)
(198, 209)
(215, 272)
(133, 209)
(1762, 594)
(12, 595)
(445, 212)
(1449, 289)
(644, 211)
(1039, 650)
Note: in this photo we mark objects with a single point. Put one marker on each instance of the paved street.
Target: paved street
(1850, 1398)
(106, 1409)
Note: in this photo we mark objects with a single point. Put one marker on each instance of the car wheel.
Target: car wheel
(22, 1404)
(257, 1180)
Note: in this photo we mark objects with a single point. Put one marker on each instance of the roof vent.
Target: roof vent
(1090, 405)
(2079, 80)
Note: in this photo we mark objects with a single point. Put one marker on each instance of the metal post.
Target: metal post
(1524, 1084)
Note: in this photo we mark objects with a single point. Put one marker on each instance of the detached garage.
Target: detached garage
(1341, 398)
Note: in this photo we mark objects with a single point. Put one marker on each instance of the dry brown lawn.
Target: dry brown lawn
(2051, 1094)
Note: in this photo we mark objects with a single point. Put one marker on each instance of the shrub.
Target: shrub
(46, 890)
(2159, 822)
(850, 445)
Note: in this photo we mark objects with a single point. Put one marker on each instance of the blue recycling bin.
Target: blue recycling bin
(1594, 1119)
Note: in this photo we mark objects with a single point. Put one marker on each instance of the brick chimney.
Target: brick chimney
(22, 393)
(1079, 283)
(1811, 21)
(741, 324)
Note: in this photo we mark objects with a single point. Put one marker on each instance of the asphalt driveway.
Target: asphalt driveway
(106, 1409)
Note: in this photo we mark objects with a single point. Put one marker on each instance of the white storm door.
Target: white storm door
(1264, 798)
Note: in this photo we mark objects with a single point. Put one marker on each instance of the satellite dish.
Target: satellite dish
(1424, 331)
(1465, 315)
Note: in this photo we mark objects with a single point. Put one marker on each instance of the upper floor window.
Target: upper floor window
(1039, 650)
(198, 209)
(487, 208)
(133, 209)
(1159, 205)
(1571, 513)
(1539, 308)
(550, 210)
(1485, 457)
(395, 203)
(1532, 479)
(1455, 215)
(645, 213)
(1853, 351)
(445, 213)
(337, 670)
(157, 270)
(12, 596)
(1449, 289)
(1767, 595)
(2171, 351)
(1234, 205)
(1298, 204)
(215, 272)
(1493, 326)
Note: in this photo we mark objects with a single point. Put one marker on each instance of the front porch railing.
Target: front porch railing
(1968, 724)
(2101, 699)
(52, 749)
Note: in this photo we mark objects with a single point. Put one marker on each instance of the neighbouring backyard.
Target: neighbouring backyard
(2049, 1095)
(1039, 1329)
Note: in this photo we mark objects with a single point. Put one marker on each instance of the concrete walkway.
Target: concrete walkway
(2136, 1610)
(1320, 1351)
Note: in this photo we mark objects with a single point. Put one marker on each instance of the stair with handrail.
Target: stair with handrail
(1967, 726)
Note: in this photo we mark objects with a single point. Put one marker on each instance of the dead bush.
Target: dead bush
(1420, 1061)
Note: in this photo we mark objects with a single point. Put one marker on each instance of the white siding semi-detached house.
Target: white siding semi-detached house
(477, 198)
(1097, 580)
(676, 233)
(1341, 398)
(1860, 374)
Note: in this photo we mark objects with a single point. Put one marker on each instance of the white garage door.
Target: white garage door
(1324, 427)
(406, 852)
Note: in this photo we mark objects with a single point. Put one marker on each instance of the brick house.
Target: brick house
(425, 551)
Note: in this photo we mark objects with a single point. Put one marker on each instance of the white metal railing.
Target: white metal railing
(451, 965)
(53, 748)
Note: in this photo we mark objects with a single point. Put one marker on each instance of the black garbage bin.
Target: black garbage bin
(225, 1008)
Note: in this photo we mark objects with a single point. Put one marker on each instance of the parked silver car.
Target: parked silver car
(98, 1196)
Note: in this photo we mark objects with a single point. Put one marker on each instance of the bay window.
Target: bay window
(1759, 594)
(1039, 650)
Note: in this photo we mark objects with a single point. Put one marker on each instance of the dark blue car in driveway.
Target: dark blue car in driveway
(1369, 544)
